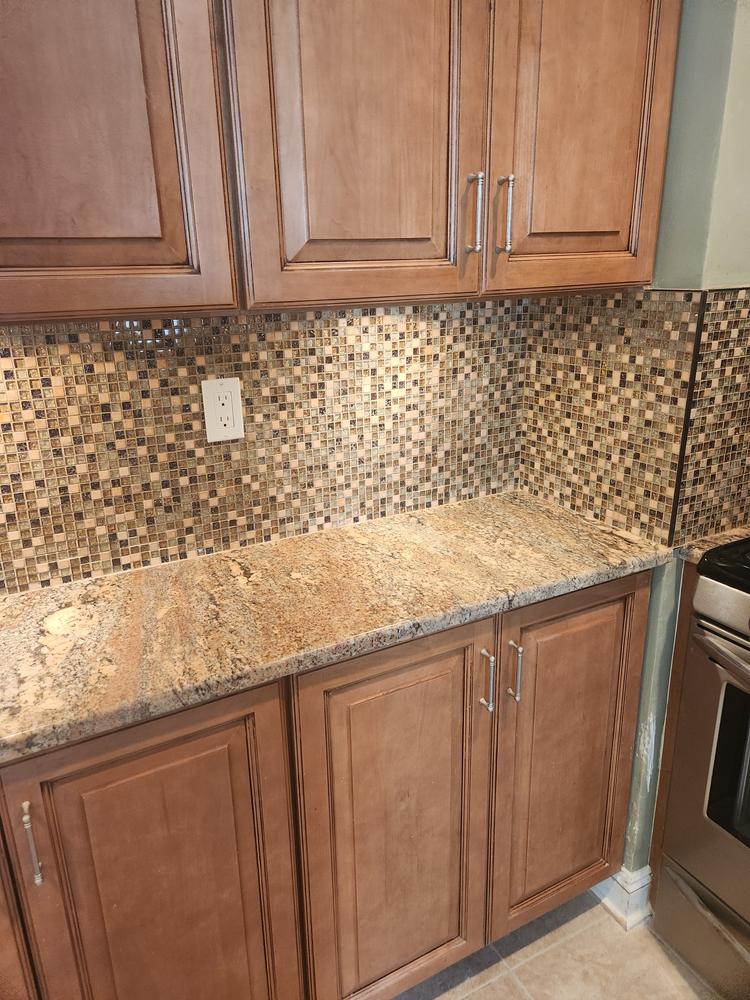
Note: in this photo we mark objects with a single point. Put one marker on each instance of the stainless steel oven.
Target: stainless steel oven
(703, 904)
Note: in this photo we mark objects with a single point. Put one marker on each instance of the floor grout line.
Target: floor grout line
(543, 951)
(521, 985)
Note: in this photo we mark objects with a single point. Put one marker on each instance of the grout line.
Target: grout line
(676, 495)
(554, 944)
(501, 975)
(521, 985)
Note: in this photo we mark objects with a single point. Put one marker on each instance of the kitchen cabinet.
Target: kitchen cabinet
(16, 982)
(581, 95)
(361, 125)
(165, 864)
(369, 150)
(356, 828)
(394, 762)
(113, 194)
(362, 128)
(565, 742)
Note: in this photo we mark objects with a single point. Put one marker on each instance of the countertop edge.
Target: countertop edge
(24, 745)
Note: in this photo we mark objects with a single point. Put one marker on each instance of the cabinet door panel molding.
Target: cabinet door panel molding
(113, 188)
(565, 748)
(166, 859)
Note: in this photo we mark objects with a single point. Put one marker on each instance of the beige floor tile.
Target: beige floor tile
(570, 918)
(604, 962)
(505, 988)
(462, 979)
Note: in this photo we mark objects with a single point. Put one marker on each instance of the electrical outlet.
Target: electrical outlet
(222, 408)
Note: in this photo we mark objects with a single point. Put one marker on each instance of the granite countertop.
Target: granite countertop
(693, 551)
(84, 658)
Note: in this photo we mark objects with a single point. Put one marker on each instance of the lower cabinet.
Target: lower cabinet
(158, 862)
(395, 752)
(439, 801)
(570, 680)
(16, 982)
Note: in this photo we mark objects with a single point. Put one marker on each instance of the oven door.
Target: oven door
(708, 815)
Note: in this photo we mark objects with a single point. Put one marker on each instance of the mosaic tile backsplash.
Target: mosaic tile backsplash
(103, 459)
(715, 486)
(605, 389)
(358, 414)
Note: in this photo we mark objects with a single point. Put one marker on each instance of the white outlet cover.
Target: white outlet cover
(222, 409)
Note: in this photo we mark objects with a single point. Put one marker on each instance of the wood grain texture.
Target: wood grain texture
(355, 168)
(16, 980)
(114, 195)
(167, 854)
(394, 763)
(565, 750)
(92, 176)
(580, 114)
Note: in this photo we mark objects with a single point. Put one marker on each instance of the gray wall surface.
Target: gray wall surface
(697, 125)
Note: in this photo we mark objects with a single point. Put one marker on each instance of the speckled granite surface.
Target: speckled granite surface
(85, 658)
(695, 549)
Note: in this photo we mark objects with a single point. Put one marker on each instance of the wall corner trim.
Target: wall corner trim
(625, 896)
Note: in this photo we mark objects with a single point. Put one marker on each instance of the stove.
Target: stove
(702, 907)
(722, 595)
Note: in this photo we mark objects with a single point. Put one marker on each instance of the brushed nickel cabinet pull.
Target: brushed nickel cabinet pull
(511, 179)
(519, 671)
(36, 866)
(489, 704)
(477, 246)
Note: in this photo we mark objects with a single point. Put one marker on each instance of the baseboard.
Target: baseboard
(625, 895)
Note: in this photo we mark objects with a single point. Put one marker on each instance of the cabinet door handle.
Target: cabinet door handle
(36, 866)
(511, 179)
(519, 671)
(477, 246)
(489, 704)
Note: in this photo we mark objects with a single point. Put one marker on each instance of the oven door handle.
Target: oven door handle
(723, 654)
(692, 897)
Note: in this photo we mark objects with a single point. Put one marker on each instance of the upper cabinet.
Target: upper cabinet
(112, 191)
(362, 128)
(581, 94)
(379, 150)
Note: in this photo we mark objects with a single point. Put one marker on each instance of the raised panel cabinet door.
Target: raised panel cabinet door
(16, 982)
(565, 746)
(394, 752)
(581, 94)
(165, 854)
(112, 189)
(360, 122)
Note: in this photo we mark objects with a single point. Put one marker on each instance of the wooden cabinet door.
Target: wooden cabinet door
(166, 859)
(565, 748)
(16, 982)
(111, 172)
(395, 763)
(360, 121)
(581, 94)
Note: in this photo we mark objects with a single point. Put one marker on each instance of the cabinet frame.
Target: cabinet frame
(206, 281)
(50, 910)
(546, 270)
(272, 281)
(634, 591)
(311, 698)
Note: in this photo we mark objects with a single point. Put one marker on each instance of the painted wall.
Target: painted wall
(703, 186)
(727, 263)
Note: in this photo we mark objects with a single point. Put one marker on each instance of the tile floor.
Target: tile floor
(577, 952)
